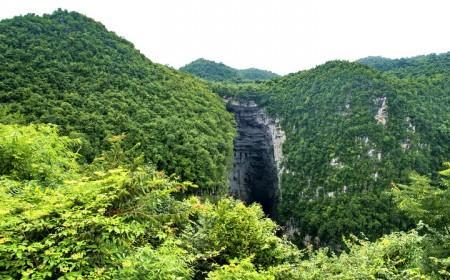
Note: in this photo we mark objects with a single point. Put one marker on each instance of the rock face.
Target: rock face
(381, 116)
(257, 156)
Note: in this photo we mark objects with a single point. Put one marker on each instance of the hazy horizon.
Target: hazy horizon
(279, 36)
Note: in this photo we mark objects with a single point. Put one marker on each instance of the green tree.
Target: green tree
(425, 202)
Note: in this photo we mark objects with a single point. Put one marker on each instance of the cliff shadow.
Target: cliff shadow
(254, 175)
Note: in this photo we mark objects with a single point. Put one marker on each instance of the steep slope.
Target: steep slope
(67, 69)
(219, 72)
(119, 218)
(350, 132)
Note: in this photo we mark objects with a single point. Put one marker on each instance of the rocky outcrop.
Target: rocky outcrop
(257, 155)
(381, 116)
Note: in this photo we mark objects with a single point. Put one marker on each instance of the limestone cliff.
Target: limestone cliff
(257, 155)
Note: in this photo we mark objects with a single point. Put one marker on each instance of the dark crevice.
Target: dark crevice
(254, 175)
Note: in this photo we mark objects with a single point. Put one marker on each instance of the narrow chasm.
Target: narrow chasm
(254, 175)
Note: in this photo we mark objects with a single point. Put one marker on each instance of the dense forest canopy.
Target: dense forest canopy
(120, 219)
(418, 66)
(219, 72)
(68, 70)
(350, 132)
(108, 162)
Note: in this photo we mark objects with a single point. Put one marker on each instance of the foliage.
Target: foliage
(111, 215)
(425, 202)
(7, 115)
(344, 147)
(35, 152)
(118, 218)
(254, 74)
(237, 270)
(85, 226)
(219, 72)
(243, 91)
(167, 262)
(368, 215)
(68, 70)
(395, 256)
(429, 204)
(229, 230)
(418, 66)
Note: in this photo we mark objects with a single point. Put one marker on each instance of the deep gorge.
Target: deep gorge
(257, 156)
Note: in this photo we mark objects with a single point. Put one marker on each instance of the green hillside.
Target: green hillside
(350, 132)
(68, 70)
(219, 72)
(253, 74)
(418, 66)
(115, 167)
(119, 220)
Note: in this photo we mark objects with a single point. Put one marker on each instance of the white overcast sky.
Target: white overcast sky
(279, 35)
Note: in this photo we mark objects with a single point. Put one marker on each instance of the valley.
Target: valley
(113, 166)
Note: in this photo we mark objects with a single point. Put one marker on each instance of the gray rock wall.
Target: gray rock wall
(257, 156)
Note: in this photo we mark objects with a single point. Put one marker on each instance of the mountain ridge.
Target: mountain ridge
(416, 66)
(219, 72)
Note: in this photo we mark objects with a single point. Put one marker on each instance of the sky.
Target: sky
(283, 36)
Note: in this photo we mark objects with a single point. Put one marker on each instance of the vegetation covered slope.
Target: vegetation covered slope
(67, 69)
(418, 66)
(117, 217)
(219, 72)
(120, 219)
(350, 132)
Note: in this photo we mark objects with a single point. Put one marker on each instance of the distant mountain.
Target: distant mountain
(255, 74)
(418, 66)
(378, 62)
(67, 69)
(219, 72)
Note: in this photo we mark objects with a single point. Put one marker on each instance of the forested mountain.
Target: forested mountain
(115, 167)
(418, 66)
(68, 70)
(219, 72)
(352, 131)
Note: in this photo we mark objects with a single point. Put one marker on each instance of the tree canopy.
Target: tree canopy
(122, 219)
(67, 69)
(351, 131)
(115, 167)
(219, 72)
